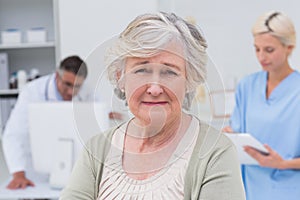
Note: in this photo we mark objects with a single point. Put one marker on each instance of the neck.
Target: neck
(274, 78)
(155, 135)
(144, 157)
(278, 76)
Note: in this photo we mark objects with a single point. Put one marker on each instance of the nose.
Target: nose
(154, 89)
(70, 91)
(261, 56)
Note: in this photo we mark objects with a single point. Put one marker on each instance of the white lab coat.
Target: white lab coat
(16, 145)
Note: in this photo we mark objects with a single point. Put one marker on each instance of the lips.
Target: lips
(154, 103)
(265, 64)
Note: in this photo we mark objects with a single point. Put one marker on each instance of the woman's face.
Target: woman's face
(271, 53)
(155, 87)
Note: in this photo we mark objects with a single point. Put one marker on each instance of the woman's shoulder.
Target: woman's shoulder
(102, 137)
(102, 141)
(211, 140)
(214, 138)
(248, 79)
(252, 82)
(297, 75)
(210, 144)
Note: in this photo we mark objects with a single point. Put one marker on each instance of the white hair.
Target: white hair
(147, 35)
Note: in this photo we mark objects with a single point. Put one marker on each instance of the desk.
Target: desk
(41, 190)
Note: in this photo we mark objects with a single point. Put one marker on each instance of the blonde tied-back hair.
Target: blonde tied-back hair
(147, 35)
(277, 24)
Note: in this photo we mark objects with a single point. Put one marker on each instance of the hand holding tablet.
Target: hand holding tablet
(245, 139)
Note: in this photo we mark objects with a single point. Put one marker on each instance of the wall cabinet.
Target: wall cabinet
(25, 15)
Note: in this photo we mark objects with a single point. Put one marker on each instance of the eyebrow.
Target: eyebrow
(141, 62)
(173, 66)
(147, 62)
(264, 47)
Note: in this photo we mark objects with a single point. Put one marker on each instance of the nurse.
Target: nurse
(268, 107)
(64, 85)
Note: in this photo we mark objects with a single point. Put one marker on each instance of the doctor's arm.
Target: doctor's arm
(16, 142)
(273, 159)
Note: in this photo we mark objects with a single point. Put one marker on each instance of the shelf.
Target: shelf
(9, 93)
(27, 45)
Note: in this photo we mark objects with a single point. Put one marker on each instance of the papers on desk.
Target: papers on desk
(41, 190)
(244, 139)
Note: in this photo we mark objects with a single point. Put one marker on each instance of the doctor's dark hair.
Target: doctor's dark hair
(75, 65)
(147, 35)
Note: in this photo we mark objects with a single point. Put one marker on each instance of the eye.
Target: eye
(139, 71)
(68, 84)
(142, 71)
(269, 49)
(169, 72)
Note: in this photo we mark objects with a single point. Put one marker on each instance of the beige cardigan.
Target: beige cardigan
(213, 172)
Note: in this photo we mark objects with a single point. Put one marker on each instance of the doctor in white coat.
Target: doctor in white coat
(64, 85)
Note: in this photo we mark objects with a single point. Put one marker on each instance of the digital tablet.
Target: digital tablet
(245, 139)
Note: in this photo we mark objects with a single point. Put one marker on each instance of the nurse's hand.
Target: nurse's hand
(227, 129)
(115, 115)
(19, 181)
(272, 159)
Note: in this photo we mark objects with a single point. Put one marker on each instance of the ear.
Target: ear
(120, 80)
(118, 75)
(56, 75)
(290, 48)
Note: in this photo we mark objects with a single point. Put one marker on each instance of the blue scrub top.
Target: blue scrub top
(274, 121)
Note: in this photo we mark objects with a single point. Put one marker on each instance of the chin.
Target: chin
(154, 116)
(265, 67)
(67, 98)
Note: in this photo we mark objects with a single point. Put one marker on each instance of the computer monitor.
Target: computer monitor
(58, 132)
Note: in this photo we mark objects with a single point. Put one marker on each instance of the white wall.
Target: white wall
(227, 28)
(84, 25)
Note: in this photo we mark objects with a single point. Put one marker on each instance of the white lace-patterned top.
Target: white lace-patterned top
(168, 183)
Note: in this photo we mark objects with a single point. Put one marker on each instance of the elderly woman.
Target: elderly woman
(162, 152)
